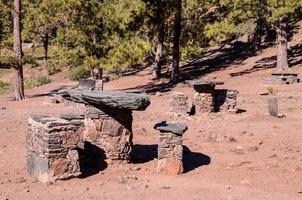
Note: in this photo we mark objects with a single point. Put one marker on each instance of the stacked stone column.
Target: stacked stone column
(203, 99)
(170, 149)
(178, 103)
(111, 130)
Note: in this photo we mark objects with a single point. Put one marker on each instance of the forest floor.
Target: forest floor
(233, 156)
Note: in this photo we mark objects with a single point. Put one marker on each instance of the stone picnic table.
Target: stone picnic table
(54, 143)
(204, 96)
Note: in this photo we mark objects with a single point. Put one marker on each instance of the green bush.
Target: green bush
(126, 55)
(191, 52)
(8, 61)
(3, 86)
(64, 59)
(78, 73)
(36, 82)
(28, 59)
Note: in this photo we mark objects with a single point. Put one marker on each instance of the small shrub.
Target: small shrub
(78, 73)
(28, 59)
(8, 61)
(271, 90)
(191, 52)
(53, 67)
(64, 59)
(126, 55)
(36, 82)
(3, 86)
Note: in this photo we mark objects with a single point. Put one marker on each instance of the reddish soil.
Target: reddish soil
(244, 156)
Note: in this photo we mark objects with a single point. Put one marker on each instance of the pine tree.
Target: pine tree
(18, 70)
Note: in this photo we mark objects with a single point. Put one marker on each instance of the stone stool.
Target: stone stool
(170, 150)
(203, 98)
(178, 103)
(51, 148)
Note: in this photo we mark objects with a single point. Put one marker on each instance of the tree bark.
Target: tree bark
(160, 40)
(282, 56)
(18, 69)
(45, 46)
(176, 42)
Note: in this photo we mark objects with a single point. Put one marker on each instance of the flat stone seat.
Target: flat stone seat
(284, 74)
(176, 128)
(204, 82)
(204, 86)
(50, 122)
(71, 116)
(109, 99)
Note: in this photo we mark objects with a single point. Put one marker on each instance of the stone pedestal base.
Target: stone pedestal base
(178, 103)
(111, 132)
(99, 85)
(226, 101)
(203, 102)
(170, 154)
(51, 148)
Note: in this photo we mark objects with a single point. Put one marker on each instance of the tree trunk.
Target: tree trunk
(45, 46)
(160, 40)
(18, 70)
(282, 57)
(176, 42)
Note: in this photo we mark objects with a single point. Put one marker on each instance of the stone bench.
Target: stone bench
(170, 149)
(51, 148)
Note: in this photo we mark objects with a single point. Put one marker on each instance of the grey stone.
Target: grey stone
(71, 116)
(109, 99)
(273, 106)
(87, 84)
(176, 128)
(204, 86)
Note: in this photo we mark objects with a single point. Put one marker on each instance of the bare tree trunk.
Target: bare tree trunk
(176, 42)
(282, 57)
(160, 40)
(18, 70)
(45, 46)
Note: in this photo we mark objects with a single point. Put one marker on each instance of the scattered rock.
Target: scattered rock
(122, 180)
(26, 190)
(135, 168)
(238, 150)
(20, 180)
(231, 139)
(158, 94)
(252, 149)
(165, 187)
(133, 177)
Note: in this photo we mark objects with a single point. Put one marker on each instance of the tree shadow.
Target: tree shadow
(92, 160)
(191, 160)
(295, 58)
(210, 62)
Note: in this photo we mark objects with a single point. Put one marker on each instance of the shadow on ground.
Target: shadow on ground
(191, 160)
(295, 58)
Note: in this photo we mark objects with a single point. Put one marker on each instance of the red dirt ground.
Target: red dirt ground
(265, 161)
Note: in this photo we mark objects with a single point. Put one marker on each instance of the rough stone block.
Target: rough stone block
(178, 103)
